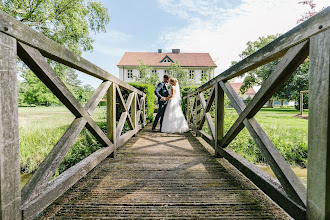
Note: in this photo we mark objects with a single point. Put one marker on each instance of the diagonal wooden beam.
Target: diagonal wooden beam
(288, 64)
(207, 107)
(207, 115)
(38, 64)
(47, 168)
(126, 106)
(290, 182)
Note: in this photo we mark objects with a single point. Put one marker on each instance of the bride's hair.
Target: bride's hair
(173, 80)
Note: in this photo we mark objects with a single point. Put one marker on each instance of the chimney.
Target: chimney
(159, 50)
(176, 51)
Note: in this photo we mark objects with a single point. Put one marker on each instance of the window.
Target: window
(166, 60)
(166, 72)
(154, 71)
(191, 74)
(140, 75)
(129, 74)
(202, 74)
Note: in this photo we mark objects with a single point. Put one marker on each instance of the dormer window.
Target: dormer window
(166, 59)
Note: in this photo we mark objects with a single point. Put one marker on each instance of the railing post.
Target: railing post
(144, 111)
(198, 113)
(219, 116)
(134, 112)
(111, 117)
(187, 109)
(301, 103)
(318, 179)
(10, 195)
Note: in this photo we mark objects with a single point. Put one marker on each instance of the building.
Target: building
(250, 93)
(196, 64)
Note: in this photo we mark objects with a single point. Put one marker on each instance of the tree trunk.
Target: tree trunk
(270, 103)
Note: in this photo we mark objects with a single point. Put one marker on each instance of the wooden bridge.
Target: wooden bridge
(156, 175)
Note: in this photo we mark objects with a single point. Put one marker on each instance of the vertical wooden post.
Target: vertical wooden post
(187, 109)
(219, 116)
(144, 111)
(301, 102)
(318, 178)
(10, 195)
(134, 112)
(198, 113)
(111, 117)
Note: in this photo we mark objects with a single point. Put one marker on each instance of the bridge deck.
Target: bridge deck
(157, 176)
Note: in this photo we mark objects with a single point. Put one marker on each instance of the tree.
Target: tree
(176, 71)
(147, 76)
(68, 22)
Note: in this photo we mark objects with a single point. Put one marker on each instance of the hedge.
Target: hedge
(150, 97)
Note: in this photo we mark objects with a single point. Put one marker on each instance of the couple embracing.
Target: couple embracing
(169, 110)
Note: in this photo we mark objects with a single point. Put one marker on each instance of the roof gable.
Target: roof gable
(165, 59)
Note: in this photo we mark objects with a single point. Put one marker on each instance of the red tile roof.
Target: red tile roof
(153, 59)
(237, 86)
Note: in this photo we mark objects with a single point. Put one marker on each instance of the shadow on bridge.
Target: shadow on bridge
(158, 175)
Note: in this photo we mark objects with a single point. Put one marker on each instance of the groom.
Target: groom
(161, 92)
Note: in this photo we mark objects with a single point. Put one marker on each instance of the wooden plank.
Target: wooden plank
(63, 182)
(111, 117)
(126, 106)
(265, 182)
(134, 111)
(206, 115)
(97, 96)
(274, 50)
(47, 168)
(206, 107)
(318, 179)
(219, 116)
(288, 64)
(10, 192)
(37, 63)
(144, 113)
(208, 138)
(121, 123)
(290, 182)
(54, 51)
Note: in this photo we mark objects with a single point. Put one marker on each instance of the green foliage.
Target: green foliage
(150, 97)
(291, 88)
(289, 134)
(176, 71)
(207, 75)
(185, 91)
(146, 74)
(68, 23)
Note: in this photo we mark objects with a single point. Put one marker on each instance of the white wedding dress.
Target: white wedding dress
(174, 120)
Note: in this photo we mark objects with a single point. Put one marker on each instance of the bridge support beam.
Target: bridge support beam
(10, 195)
(318, 182)
(219, 117)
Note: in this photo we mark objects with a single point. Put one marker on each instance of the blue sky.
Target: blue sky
(219, 27)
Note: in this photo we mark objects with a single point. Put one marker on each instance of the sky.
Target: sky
(219, 27)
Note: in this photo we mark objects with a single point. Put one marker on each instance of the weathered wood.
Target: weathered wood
(206, 107)
(219, 116)
(126, 107)
(288, 64)
(37, 63)
(54, 51)
(318, 179)
(97, 96)
(63, 182)
(10, 193)
(274, 50)
(121, 123)
(144, 113)
(206, 114)
(208, 138)
(111, 117)
(134, 111)
(290, 182)
(265, 182)
(47, 168)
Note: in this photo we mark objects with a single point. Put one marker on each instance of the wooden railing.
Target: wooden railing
(311, 38)
(33, 48)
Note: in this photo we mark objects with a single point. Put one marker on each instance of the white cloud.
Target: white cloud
(224, 31)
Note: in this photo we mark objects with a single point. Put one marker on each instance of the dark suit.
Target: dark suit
(160, 91)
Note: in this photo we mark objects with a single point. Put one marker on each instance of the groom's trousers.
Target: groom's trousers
(160, 114)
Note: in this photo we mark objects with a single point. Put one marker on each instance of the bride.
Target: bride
(174, 121)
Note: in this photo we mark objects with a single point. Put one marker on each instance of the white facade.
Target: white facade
(129, 74)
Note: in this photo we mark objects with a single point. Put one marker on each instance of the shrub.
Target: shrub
(150, 97)
(185, 91)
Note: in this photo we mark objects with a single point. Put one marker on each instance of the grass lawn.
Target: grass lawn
(41, 127)
(288, 133)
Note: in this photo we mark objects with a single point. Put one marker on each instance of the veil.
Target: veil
(177, 95)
